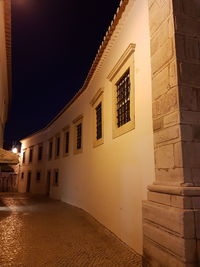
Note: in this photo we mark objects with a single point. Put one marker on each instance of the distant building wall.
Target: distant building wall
(5, 69)
(108, 179)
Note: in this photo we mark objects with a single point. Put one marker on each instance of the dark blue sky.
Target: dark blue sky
(54, 43)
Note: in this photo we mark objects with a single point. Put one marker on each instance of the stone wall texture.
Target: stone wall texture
(171, 214)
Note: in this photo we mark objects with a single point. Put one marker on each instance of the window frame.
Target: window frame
(65, 131)
(30, 155)
(125, 63)
(96, 100)
(50, 156)
(40, 155)
(76, 122)
(57, 136)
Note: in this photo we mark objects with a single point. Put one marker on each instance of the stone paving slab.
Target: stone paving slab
(37, 231)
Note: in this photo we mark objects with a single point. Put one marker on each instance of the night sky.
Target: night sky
(54, 43)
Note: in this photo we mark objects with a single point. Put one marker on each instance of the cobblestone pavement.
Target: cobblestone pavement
(37, 231)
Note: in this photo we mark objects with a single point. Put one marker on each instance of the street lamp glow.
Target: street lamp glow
(14, 150)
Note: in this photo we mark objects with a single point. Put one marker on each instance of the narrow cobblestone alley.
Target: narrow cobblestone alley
(37, 231)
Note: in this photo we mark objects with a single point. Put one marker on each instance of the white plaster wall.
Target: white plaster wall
(110, 181)
(3, 75)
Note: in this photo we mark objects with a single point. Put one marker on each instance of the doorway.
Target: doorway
(48, 183)
(28, 187)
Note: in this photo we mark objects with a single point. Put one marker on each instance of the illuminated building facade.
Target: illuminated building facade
(5, 64)
(126, 148)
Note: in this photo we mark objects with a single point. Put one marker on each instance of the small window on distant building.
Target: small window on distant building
(31, 155)
(38, 176)
(22, 175)
(50, 149)
(56, 178)
(97, 106)
(57, 146)
(99, 121)
(40, 150)
(78, 134)
(24, 157)
(66, 141)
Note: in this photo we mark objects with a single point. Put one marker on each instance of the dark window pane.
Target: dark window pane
(57, 146)
(31, 155)
(40, 153)
(67, 142)
(99, 121)
(79, 136)
(123, 99)
(50, 149)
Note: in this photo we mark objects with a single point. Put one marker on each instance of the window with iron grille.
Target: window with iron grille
(99, 121)
(31, 155)
(123, 99)
(50, 149)
(79, 136)
(67, 142)
(57, 146)
(40, 153)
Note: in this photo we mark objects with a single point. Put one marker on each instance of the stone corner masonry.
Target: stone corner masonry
(171, 215)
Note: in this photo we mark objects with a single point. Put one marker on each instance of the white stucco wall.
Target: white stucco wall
(3, 75)
(109, 181)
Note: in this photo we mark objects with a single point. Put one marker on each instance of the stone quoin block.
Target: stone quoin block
(172, 176)
(184, 248)
(167, 134)
(160, 37)
(189, 73)
(173, 219)
(162, 56)
(166, 104)
(188, 98)
(173, 79)
(164, 157)
(160, 83)
(171, 119)
(187, 25)
(158, 13)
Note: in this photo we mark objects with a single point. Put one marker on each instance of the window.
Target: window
(66, 141)
(31, 155)
(24, 157)
(99, 121)
(50, 149)
(97, 105)
(57, 147)
(123, 99)
(79, 136)
(38, 176)
(40, 150)
(78, 131)
(122, 82)
(56, 178)
(22, 175)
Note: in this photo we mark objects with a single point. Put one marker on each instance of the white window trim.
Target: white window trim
(96, 100)
(124, 63)
(76, 122)
(65, 130)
